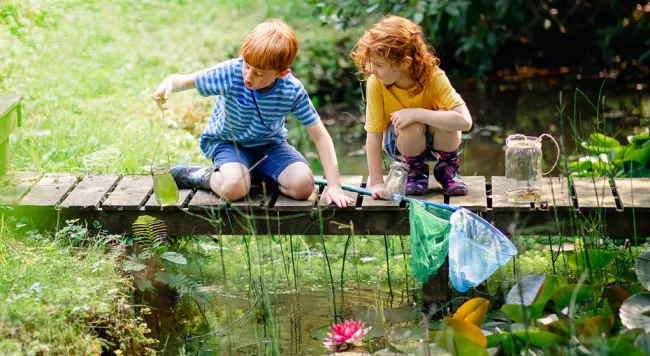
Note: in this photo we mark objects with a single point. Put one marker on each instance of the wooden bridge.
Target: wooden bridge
(622, 206)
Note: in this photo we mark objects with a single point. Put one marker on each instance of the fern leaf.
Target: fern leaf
(152, 231)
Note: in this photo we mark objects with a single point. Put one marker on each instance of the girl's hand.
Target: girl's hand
(403, 118)
(376, 191)
(337, 196)
(161, 95)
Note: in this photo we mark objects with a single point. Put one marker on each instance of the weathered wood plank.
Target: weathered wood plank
(555, 194)
(8, 102)
(369, 204)
(50, 190)
(284, 203)
(499, 199)
(634, 193)
(259, 197)
(90, 192)
(476, 198)
(130, 194)
(152, 203)
(354, 181)
(204, 199)
(593, 193)
(15, 185)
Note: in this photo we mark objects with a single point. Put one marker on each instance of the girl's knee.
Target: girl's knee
(412, 131)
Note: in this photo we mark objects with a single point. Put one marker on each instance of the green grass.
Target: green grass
(58, 299)
(87, 69)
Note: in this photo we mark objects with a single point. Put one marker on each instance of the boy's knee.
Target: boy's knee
(234, 190)
(303, 188)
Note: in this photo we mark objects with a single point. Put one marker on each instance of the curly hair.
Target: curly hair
(396, 38)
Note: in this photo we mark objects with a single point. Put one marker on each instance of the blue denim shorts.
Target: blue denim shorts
(279, 155)
(390, 145)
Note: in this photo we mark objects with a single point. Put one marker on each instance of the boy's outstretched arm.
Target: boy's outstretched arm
(173, 83)
(327, 155)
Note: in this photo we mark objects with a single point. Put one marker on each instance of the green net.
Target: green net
(429, 239)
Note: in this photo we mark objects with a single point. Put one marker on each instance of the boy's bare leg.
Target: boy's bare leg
(446, 141)
(411, 140)
(231, 182)
(297, 181)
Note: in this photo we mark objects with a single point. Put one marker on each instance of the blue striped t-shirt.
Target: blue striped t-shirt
(235, 115)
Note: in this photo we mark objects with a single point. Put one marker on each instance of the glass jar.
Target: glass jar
(524, 168)
(164, 185)
(395, 186)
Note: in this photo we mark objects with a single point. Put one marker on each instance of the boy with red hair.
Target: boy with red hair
(246, 131)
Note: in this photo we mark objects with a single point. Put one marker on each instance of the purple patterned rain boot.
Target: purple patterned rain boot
(418, 178)
(446, 173)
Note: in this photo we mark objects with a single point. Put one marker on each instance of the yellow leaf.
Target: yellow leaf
(466, 329)
(595, 330)
(473, 311)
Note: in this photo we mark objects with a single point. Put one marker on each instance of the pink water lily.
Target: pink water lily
(345, 334)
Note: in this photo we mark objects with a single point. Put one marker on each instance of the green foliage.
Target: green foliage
(60, 299)
(477, 29)
(606, 157)
(150, 257)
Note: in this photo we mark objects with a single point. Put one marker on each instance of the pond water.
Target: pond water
(270, 296)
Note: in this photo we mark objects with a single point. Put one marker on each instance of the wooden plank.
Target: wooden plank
(152, 203)
(593, 193)
(205, 199)
(499, 199)
(476, 198)
(15, 185)
(369, 204)
(555, 194)
(90, 192)
(8, 102)
(259, 197)
(634, 193)
(50, 190)
(130, 194)
(284, 203)
(354, 181)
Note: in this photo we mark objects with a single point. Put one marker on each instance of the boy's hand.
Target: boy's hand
(161, 95)
(376, 191)
(337, 196)
(403, 118)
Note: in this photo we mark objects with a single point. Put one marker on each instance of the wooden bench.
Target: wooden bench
(10, 119)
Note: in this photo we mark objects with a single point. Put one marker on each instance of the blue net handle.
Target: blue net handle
(360, 190)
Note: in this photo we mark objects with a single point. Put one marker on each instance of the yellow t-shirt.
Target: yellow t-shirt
(383, 100)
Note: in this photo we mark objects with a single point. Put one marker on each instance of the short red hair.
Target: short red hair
(395, 38)
(271, 45)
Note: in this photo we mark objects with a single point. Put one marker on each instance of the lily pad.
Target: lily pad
(642, 268)
(632, 312)
(589, 259)
(563, 295)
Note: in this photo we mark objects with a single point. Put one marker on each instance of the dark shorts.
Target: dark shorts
(278, 155)
(390, 145)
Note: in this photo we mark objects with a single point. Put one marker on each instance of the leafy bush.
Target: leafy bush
(606, 157)
(475, 30)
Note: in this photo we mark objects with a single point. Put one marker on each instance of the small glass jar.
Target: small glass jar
(164, 185)
(395, 186)
(524, 167)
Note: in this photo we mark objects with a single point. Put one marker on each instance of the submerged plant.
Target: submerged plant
(345, 335)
